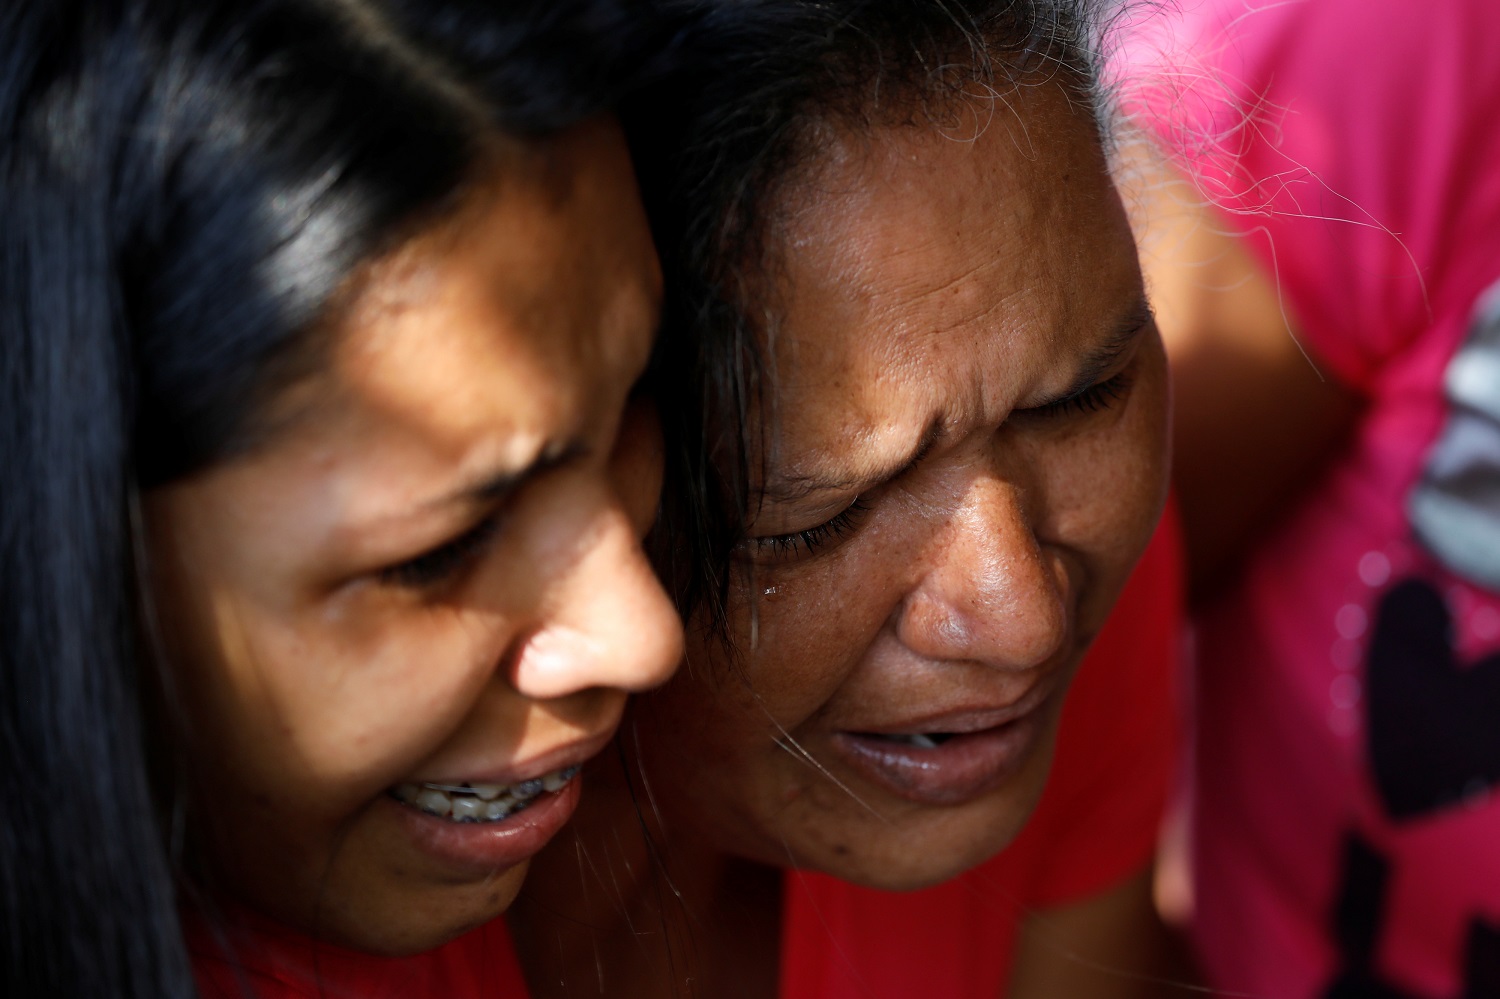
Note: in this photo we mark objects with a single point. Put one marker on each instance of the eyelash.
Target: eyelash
(444, 562)
(1090, 400)
(813, 538)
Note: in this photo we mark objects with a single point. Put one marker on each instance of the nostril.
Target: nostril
(932, 623)
(1013, 616)
(557, 660)
(619, 631)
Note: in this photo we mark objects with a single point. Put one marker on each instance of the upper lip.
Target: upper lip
(968, 717)
(569, 754)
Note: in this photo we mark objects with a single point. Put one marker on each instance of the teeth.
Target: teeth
(466, 807)
(481, 802)
(434, 802)
(922, 741)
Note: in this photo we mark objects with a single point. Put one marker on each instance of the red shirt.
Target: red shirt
(258, 959)
(1096, 824)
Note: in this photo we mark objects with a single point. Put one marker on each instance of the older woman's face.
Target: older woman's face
(968, 456)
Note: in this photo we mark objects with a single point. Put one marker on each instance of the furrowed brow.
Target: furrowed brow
(496, 486)
(789, 487)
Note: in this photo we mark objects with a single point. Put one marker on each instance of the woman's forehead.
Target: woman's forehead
(923, 272)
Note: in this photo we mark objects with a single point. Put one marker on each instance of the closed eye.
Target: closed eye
(1099, 396)
(443, 563)
(813, 539)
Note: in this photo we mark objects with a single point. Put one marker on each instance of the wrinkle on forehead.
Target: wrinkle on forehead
(935, 247)
(875, 262)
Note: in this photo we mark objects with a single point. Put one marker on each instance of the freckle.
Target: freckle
(841, 850)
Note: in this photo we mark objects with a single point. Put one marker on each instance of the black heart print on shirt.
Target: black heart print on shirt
(1434, 722)
(1358, 923)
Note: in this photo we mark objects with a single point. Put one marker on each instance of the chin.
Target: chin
(443, 915)
(914, 865)
(371, 913)
(927, 846)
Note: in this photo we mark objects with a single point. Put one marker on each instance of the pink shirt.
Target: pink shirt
(1347, 826)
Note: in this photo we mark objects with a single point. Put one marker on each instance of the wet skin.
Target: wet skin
(970, 455)
(431, 570)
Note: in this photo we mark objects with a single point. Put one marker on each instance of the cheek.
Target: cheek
(808, 627)
(1106, 489)
(798, 640)
(334, 711)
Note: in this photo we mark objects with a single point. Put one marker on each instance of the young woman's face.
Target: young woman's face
(430, 576)
(968, 456)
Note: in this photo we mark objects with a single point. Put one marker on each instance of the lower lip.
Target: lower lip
(481, 848)
(959, 770)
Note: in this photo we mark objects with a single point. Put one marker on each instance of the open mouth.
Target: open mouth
(481, 802)
(920, 740)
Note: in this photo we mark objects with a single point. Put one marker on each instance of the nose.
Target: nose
(986, 590)
(608, 622)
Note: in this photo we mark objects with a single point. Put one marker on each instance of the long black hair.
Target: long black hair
(716, 140)
(184, 187)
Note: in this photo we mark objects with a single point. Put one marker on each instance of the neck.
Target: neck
(629, 902)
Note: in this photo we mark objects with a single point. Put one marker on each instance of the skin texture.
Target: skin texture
(316, 665)
(927, 335)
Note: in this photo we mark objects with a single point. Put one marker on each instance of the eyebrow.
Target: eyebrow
(496, 486)
(791, 487)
